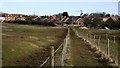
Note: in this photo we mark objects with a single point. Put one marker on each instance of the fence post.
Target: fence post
(94, 38)
(108, 53)
(98, 42)
(52, 56)
(90, 35)
(114, 39)
(87, 37)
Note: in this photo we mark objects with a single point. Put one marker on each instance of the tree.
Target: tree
(96, 22)
(87, 22)
(85, 15)
(65, 14)
(102, 14)
(107, 15)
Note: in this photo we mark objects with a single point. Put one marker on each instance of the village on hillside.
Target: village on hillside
(60, 39)
(99, 20)
(59, 34)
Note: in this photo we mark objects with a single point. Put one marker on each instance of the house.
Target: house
(18, 16)
(5, 15)
(111, 22)
(2, 18)
(79, 22)
(36, 18)
(53, 17)
(115, 18)
(105, 19)
(12, 17)
(9, 17)
(110, 19)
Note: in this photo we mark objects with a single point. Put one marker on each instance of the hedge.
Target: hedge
(34, 22)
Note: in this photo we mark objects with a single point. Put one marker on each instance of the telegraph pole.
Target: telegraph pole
(34, 13)
(81, 12)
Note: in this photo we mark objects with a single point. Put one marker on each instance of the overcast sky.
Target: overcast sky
(50, 8)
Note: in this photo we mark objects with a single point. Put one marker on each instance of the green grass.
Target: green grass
(103, 42)
(80, 55)
(20, 41)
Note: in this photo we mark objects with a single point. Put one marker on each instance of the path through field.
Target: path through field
(80, 55)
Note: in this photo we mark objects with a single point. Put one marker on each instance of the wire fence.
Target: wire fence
(106, 44)
(59, 54)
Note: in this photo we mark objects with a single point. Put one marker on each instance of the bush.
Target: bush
(26, 22)
(22, 22)
(48, 24)
(36, 22)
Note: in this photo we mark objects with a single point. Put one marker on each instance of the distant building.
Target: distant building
(79, 22)
(12, 17)
(110, 19)
(2, 17)
(19, 17)
(53, 18)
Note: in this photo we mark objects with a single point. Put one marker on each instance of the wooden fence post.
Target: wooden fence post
(52, 56)
(108, 46)
(87, 37)
(90, 35)
(98, 41)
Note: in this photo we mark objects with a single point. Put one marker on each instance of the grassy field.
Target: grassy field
(28, 45)
(114, 52)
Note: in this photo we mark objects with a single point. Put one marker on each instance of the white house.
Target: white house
(78, 22)
(2, 19)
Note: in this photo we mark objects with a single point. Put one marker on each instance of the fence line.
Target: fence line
(108, 53)
(49, 56)
(89, 38)
(59, 47)
(44, 62)
(52, 57)
(62, 57)
(114, 39)
(108, 50)
(64, 51)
